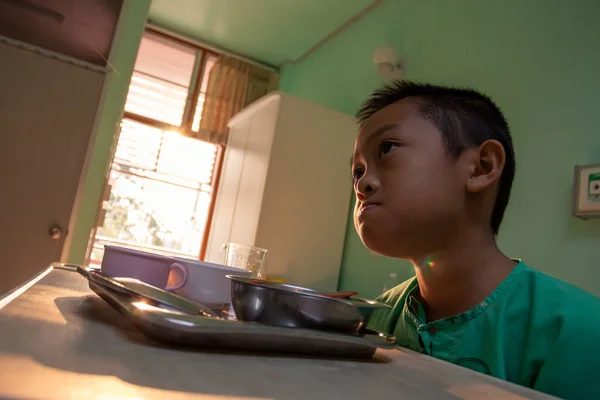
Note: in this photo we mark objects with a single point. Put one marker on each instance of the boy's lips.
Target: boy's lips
(365, 207)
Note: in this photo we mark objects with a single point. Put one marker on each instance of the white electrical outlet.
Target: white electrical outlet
(594, 183)
(586, 191)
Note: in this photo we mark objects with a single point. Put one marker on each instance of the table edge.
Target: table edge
(19, 290)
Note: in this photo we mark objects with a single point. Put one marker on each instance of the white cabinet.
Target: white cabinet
(286, 186)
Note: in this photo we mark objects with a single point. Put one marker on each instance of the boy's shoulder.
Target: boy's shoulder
(559, 296)
(385, 319)
(398, 293)
(570, 306)
(567, 324)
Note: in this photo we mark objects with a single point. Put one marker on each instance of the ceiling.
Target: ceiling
(271, 31)
(82, 29)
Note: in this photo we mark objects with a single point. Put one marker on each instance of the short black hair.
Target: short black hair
(465, 117)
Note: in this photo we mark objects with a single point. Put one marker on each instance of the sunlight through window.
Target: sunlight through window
(161, 181)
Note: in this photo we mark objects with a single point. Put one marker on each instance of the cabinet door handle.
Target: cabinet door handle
(55, 231)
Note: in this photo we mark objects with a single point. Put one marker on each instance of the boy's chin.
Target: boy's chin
(375, 246)
(383, 246)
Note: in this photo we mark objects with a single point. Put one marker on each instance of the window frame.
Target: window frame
(193, 93)
(191, 104)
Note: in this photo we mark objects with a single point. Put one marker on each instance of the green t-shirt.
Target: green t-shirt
(533, 330)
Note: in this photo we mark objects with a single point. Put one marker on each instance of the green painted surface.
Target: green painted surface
(127, 41)
(539, 60)
(267, 30)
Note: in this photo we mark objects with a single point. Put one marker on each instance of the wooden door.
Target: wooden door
(47, 111)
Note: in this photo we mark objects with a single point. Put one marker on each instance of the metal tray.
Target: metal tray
(173, 327)
(134, 287)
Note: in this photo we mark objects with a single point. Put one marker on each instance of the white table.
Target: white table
(59, 340)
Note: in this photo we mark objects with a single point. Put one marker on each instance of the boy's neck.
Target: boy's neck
(461, 275)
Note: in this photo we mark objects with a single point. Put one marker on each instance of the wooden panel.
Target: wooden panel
(248, 205)
(307, 195)
(47, 110)
(292, 190)
(225, 201)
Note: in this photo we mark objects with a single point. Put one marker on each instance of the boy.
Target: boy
(433, 168)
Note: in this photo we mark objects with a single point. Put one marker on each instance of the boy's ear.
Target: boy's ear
(487, 165)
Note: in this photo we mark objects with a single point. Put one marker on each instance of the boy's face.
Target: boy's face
(410, 191)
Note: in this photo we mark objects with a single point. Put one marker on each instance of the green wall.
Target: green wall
(539, 59)
(126, 43)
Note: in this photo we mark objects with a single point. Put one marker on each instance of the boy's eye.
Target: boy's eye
(386, 147)
(356, 174)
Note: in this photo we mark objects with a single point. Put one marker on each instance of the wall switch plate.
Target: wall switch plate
(586, 191)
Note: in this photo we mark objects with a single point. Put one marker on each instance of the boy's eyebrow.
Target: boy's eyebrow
(380, 131)
(375, 134)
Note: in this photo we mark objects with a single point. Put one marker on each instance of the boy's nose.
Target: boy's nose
(365, 187)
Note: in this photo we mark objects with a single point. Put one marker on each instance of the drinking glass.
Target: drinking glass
(246, 257)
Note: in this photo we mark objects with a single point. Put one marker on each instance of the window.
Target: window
(161, 80)
(198, 113)
(161, 181)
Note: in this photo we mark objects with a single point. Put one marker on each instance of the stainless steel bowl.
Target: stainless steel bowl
(291, 306)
